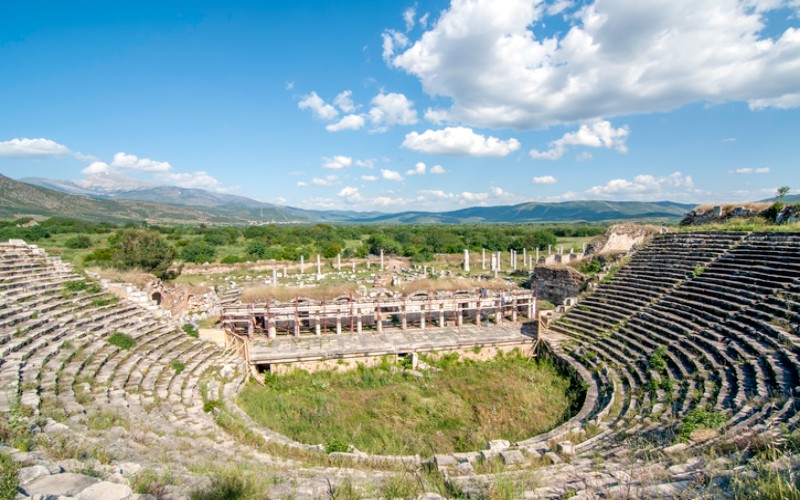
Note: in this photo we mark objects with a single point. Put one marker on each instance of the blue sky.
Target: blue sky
(396, 106)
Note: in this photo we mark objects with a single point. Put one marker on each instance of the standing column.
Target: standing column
(422, 317)
(524, 258)
(318, 324)
(466, 260)
(354, 267)
(359, 323)
(537, 255)
(483, 259)
(514, 311)
(339, 262)
(459, 316)
(513, 260)
(499, 259)
(583, 250)
(549, 249)
(302, 265)
(274, 276)
(319, 266)
(338, 324)
(381, 259)
(404, 320)
(441, 316)
(378, 319)
(271, 328)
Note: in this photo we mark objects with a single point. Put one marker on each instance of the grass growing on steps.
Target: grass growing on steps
(382, 410)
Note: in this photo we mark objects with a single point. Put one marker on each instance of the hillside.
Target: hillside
(100, 199)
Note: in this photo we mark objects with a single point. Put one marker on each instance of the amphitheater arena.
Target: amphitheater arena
(720, 311)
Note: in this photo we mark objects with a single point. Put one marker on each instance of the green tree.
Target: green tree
(198, 251)
(782, 191)
(80, 241)
(133, 248)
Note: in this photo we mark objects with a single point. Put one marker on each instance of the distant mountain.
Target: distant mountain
(789, 198)
(567, 211)
(118, 198)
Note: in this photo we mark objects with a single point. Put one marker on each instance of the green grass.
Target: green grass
(700, 418)
(178, 367)
(458, 408)
(121, 340)
(9, 481)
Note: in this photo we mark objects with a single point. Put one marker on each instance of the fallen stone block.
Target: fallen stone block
(512, 457)
(66, 484)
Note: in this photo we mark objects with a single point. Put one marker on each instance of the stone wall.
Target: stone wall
(786, 214)
(621, 238)
(556, 283)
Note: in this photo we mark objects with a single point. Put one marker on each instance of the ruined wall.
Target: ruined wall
(702, 216)
(621, 238)
(555, 284)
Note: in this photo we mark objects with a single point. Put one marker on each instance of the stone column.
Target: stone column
(338, 324)
(524, 258)
(271, 330)
(466, 260)
(537, 255)
(339, 262)
(549, 249)
(513, 260)
(483, 259)
(441, 316)
(319, 266)
(354, 267)
(583, 250)
(422, 317)
(302, 265)
(404, 320)
(381, 259)
(359, 323)
(499, 259)
(274, 276)
(318, 325)
(459, 316)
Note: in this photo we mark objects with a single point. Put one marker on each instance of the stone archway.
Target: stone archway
(156, 297)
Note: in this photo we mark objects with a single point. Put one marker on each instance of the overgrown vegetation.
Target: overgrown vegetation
(9, 479)
(700, 418)
(121, 340)
(383, 410)
(191, 330)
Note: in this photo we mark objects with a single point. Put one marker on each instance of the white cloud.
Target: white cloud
(614, 58)
(438, 170)
(301, 184)
(97, 167)
(423, 20)
(197, 180)
(436, 116)
(495, 196)
(459, 141)
(365, 163)
(32, 148)
(391, 175)
(350, 192)
(345, 101)
(545, 179)
(393, 41)
(369, 178)
(337, 162)
(328, 180)
(408, 16)
(318, 106)
(419, 169)
(595, 134)
(348, 122)
(125, 161)
(391, 109)
(675, 185)
(748, 170)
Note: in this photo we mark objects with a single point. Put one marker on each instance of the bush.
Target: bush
(9, 479)
(121, 340)
(142, 249)
(198, 251)
(178, 367)
(191, 330)
(700, 418)
(81, 241)
(336, 445)
(227, 485)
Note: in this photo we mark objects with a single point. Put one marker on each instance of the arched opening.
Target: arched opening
(156, 297)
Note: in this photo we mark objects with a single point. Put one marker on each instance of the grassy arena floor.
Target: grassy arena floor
(381, 410)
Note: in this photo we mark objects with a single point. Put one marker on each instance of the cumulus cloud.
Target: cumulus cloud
(409, 16)
(459, 141)
(647, 187)
(32, 148)
(348, 122)
(595, 134)
(391, 175)
(438, 170)
(318, 107)
(125, 161)
(301, 184)
(748, 170)
(328, 180)
(345, 101)
(604, 63)
(97, 167)
(496, 195)
(365, 163)
(545, 179)
(419, 169)
(353, 196)
(369, 178)
(392, 42)
(198, 180)
(337, 162)
(391, 109)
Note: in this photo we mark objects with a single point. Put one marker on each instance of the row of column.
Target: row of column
(528, 260)
(499, 315)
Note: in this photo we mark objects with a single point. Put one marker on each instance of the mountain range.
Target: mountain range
(102, 198)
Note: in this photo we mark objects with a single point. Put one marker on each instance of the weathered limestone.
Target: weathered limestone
(466, 260)
(555, 284)
(483, 259)
(382, 267)
(302, 265)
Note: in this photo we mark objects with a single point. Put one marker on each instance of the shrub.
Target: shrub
(227, 485)
(190, 330)
(80, 241)
(698, 270)
(700, 418)
(336, 445)
(141, 248)
(9, 480)
(121, 340)
(198, 251)
(75, 286)
(657, 361)
(178, 367)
